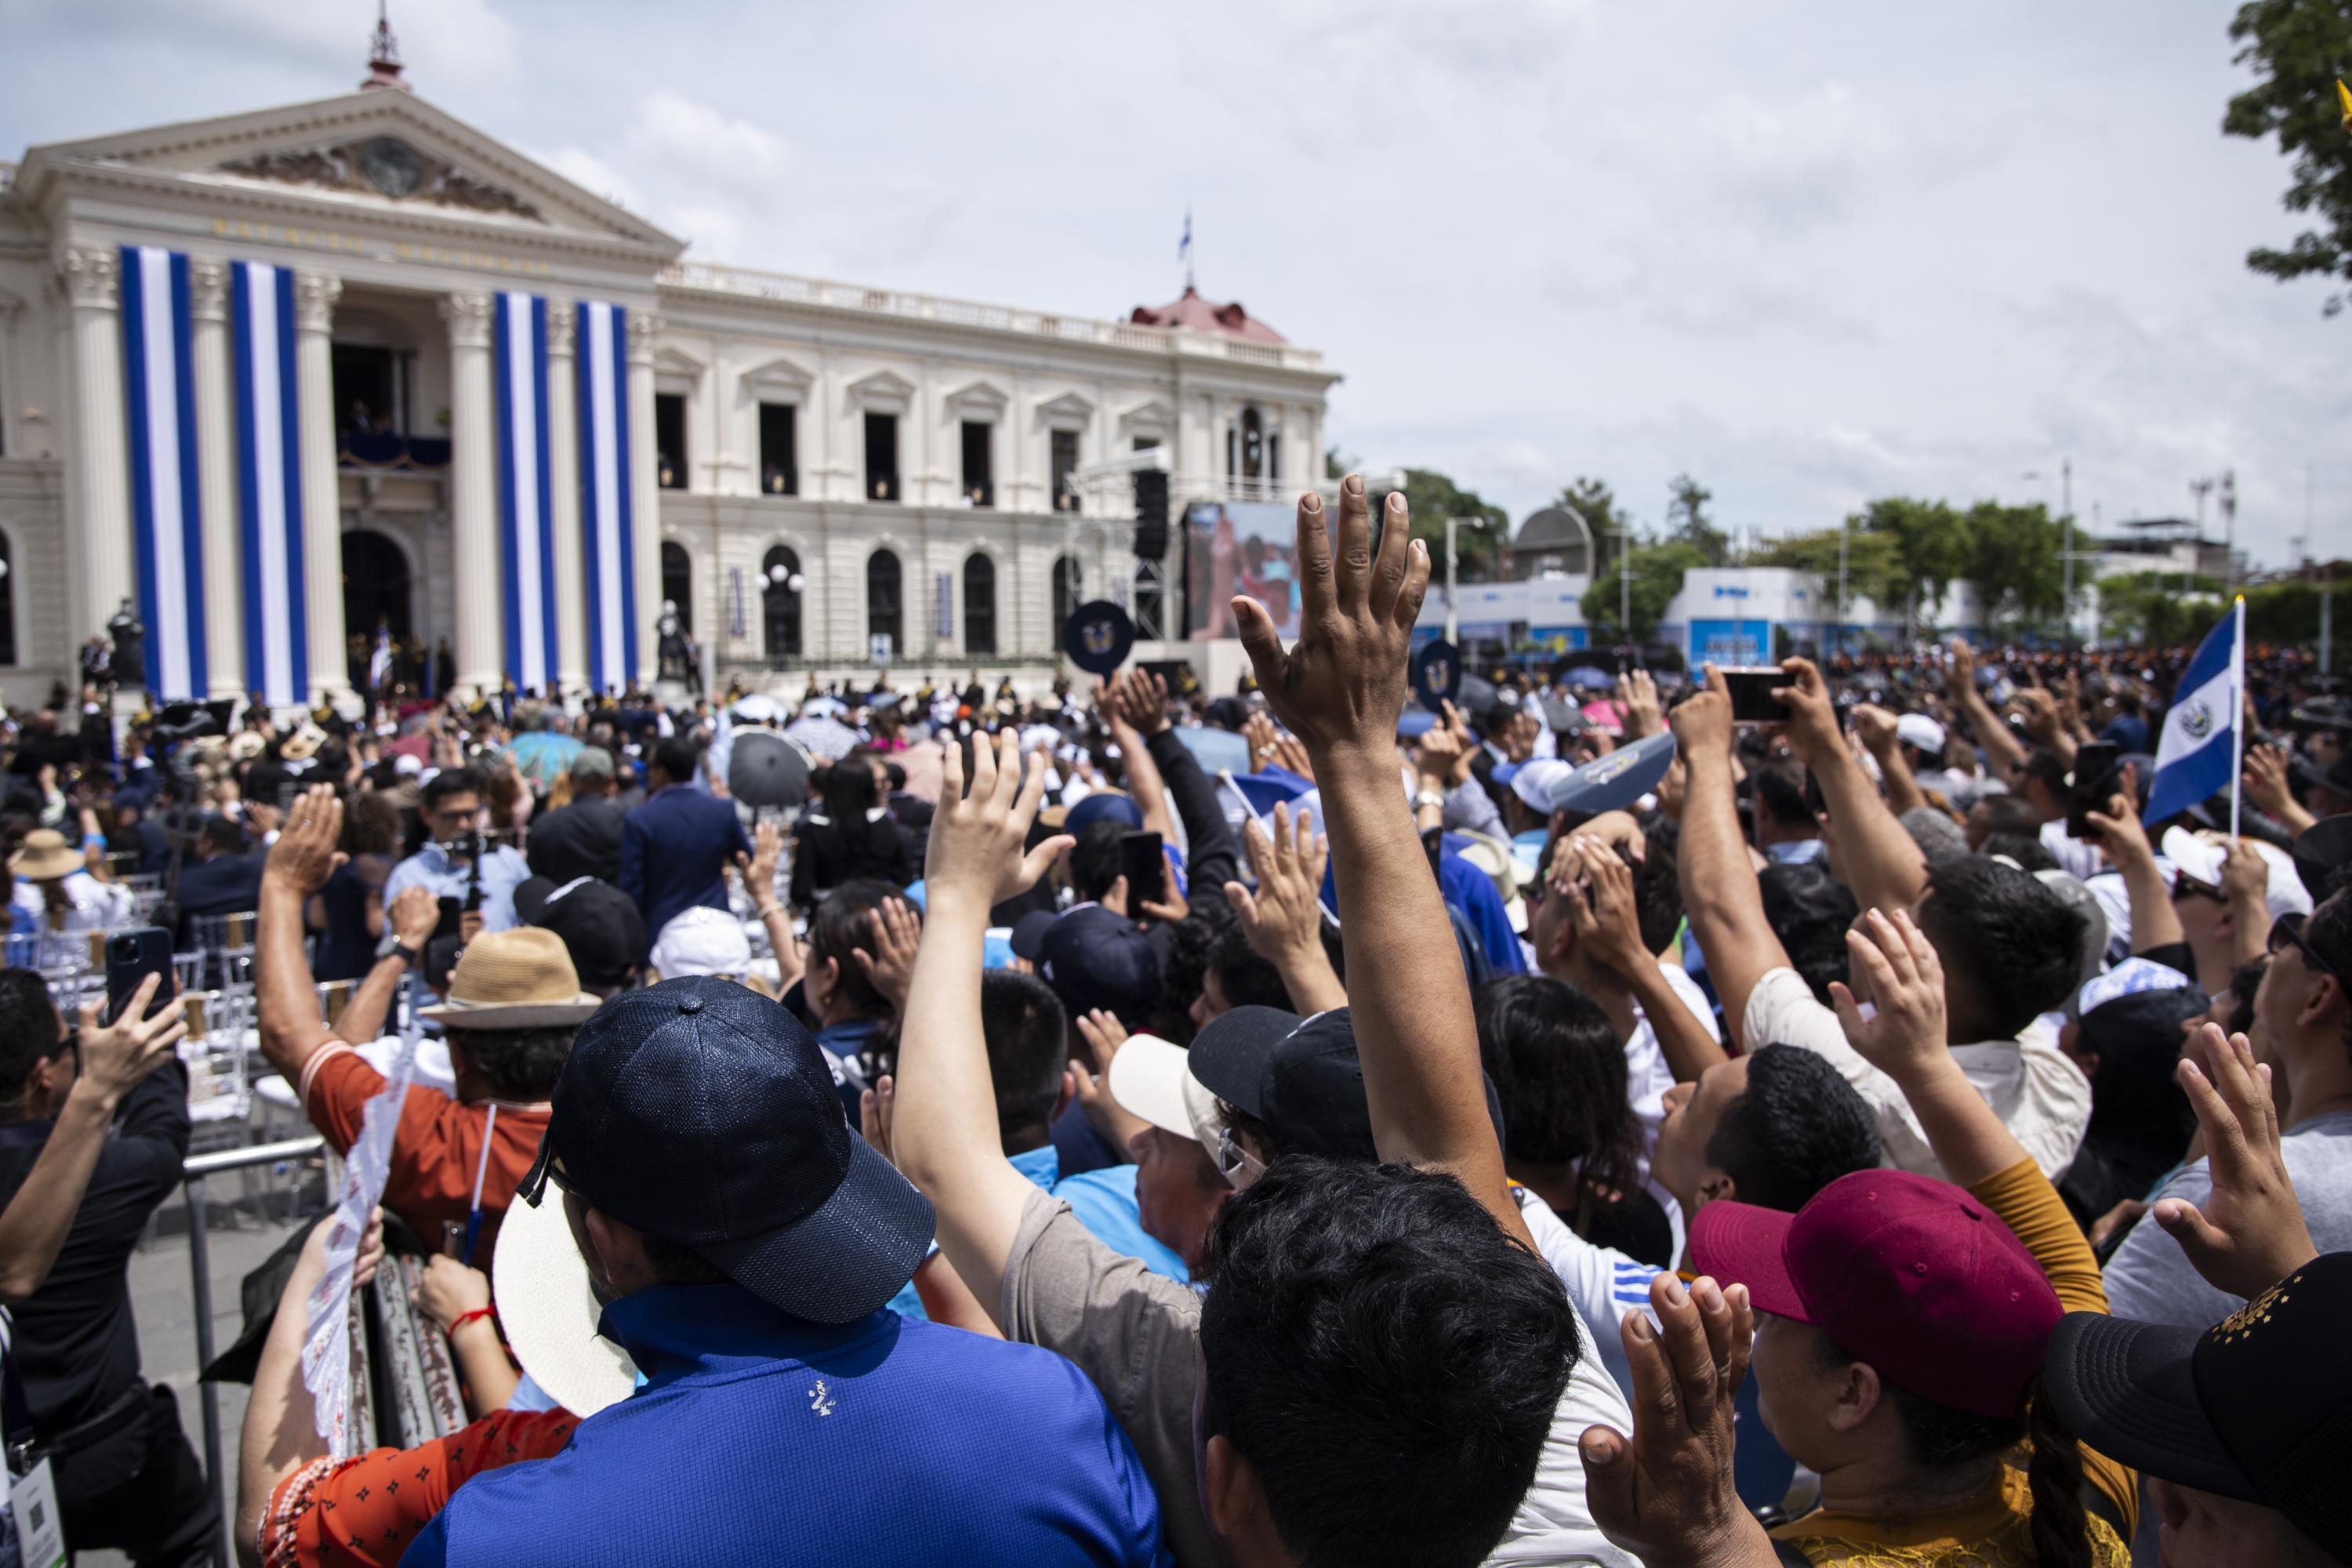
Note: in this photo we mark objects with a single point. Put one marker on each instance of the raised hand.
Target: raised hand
(2266, 784)
(1104, 1035)
(1874, 726)
(115, 1058)
(1137, 699)
(759, 865)
(1442, 754)
(305, 856)
(895, 932)
(2245, 876)
(1701, 721)
(2122, 836)
(2041, 710)
(876, 1106)
(1907, 1036)
(1341, 685)
(1284, 918)
(1960, 671)
(413, 917)
(1608, 924)
(1813, 728)
(1644, 716)
(1665, 1493)
(1174, 908)
(2251, 1233)
(976, 838)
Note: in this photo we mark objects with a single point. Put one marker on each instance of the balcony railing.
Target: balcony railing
(383, 449)
(744, 282)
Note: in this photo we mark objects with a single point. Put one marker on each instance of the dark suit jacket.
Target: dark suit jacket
(675, 851)
(225, 885)
(583, 840)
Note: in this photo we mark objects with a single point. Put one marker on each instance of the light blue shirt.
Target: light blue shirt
(1104, 1202)
(432, 868)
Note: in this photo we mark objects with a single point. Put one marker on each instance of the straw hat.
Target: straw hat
(46, 856)
(519, 979)
(541, 1284)
(303, 743)
(247, 744)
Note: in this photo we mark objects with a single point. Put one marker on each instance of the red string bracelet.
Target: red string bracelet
(462, 1318)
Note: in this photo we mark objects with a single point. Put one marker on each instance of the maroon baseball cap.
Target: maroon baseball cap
(1908, 1273)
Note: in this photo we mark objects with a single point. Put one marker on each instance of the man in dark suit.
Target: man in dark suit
(221, 879)
(583, 838)
(675, 849)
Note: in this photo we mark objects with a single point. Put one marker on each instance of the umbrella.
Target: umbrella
(822, 737)
(766, 770)
(1214, 750)
(1586, 675)
(542, 756)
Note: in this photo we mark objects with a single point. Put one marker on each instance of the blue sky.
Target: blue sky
(1810, 252)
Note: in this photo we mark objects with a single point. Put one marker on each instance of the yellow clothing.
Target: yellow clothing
(1990, 1530)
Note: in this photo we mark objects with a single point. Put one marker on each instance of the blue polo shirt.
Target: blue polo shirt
(759, 1439)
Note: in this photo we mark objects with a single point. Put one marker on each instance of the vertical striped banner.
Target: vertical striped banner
(269, 483)
(604, 504)
(166, 502)
(525, 515)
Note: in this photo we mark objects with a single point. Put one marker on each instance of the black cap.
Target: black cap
(1093, 958)
(601, 927)
(2257, 1408)
(703, 1114)
(2320, 851)
(1098, 636)
(2336, 778)
(1298, 1076)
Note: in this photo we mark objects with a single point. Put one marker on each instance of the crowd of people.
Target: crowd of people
(1572, 1125)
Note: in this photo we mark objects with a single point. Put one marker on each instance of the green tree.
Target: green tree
(1593, 500)
(2159, 609)
(2013, 561)
(1431, 499)
(1931, 543)
(1657, 577)
(1874, 562)
(1687, 519)
(2297, 49)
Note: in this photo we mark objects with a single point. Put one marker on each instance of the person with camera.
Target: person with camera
(458, 861)
(93, 1125)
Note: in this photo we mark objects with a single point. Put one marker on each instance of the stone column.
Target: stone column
(645, 487)
(563, 475)
(315, 294)
(479, 643)
(217, 469)
(97, 472)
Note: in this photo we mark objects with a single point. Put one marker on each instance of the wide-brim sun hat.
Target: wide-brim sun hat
(550, 1313)
(46, 856)
(519, 979)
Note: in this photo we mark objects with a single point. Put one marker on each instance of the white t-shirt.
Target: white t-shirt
(1604, 1283)
(1647, 1076)
(2041, 1096)
(1553, 1523)
(2076, 856)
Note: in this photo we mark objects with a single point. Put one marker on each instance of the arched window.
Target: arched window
(882, 600)
(1069, 587)
(678, 583)
(1252, 443)
(979, 604)
(780, 605)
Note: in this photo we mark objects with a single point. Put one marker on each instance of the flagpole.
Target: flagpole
(2237, 710)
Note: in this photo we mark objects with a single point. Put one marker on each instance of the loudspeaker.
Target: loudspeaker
(1150, 513)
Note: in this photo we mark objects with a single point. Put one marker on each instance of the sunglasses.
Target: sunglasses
(2185, 885)
(2288, 930)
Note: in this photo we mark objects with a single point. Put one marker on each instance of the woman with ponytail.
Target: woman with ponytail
(1902, 1322)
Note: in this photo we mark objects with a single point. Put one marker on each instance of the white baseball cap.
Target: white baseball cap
(2202, 854)
(702, 941)
(1918, 730)
(1152, 1079)
(1532, 780)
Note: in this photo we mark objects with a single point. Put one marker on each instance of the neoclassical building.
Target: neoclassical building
(295, 381)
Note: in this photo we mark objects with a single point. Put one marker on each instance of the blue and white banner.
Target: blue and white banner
(166, 502)
(2197, 756)
(606, 520)
(526, 519)
(269, 483)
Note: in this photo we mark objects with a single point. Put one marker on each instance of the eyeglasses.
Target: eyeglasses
(1236, 1165)
(2288, 929)
(2185, 885)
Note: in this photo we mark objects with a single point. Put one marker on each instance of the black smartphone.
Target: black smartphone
(2092, 783)
(451, 909)
(1752, 694)
(1145, 869)
(131, 957)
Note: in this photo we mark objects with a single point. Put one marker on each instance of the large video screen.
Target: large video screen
(1239, 547)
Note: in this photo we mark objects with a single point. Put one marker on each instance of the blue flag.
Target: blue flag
(2197, 756)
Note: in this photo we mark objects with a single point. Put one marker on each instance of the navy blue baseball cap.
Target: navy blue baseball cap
(1105, 805)
(1300, 1077)
(1098, 636)
(1093, 958)
(1615, 779)
(1028, 938)
(703, 1114)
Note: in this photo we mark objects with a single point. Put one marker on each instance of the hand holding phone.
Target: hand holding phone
(2088, 790)
(131, 957)
(1145, 866)
(1750, 689)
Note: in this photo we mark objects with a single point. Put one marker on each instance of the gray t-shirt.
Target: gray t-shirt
(1133, 1332)
(2150, 1279)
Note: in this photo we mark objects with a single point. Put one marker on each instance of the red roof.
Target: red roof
(1202, 316)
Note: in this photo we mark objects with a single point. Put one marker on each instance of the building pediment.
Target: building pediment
(1151, 418)
(385, 152)
(781, 378)
(979, 400)
(882, 392)
(1067, 410)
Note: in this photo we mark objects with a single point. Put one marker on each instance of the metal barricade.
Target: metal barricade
(193, 1171)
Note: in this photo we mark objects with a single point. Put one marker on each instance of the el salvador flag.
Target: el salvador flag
(2197, 753)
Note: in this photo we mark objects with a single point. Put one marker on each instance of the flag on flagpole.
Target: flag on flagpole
(1184, 246)
(2197, 756)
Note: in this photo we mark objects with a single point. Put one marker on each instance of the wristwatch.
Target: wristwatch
(406, 954)
(1429, 797)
